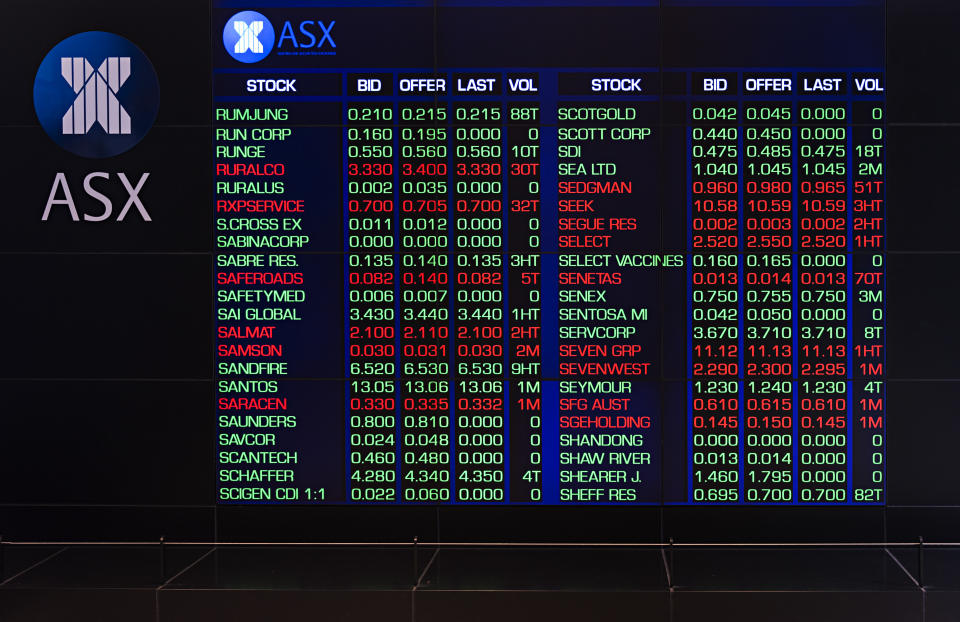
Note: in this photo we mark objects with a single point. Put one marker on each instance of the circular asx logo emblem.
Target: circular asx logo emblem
(96, 94)
(248, 36)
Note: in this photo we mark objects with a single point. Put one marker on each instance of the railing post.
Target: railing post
(673, 566)
(920, 563)
(416, 565)
(163, 560)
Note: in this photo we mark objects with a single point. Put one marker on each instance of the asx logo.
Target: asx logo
(96, 94)
(100, 89)
(249, 37)
(315, 34)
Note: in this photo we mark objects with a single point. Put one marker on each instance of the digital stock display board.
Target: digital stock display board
(520, 253)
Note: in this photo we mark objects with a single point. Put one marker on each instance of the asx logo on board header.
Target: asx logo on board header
(249, 37)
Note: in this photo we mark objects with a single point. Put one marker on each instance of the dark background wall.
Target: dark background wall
(106, 397)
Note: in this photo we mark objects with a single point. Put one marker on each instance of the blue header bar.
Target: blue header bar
(772, 3)
(246, 4)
